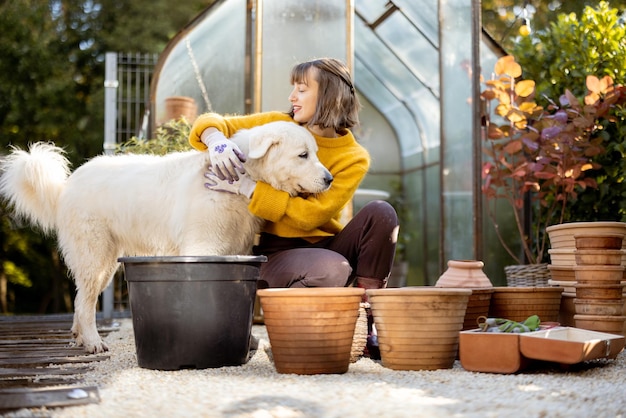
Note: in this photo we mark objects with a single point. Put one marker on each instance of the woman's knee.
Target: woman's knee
(310, 267)
(380, 210)
(329, 270)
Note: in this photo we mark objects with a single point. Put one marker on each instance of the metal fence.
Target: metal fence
(127, 114)
(127, 96)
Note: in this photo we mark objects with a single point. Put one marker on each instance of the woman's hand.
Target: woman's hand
(226, 157)
(242, 185)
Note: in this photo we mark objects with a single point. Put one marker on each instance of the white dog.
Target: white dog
(129, 205)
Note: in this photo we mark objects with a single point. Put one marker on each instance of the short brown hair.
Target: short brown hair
(337, 104)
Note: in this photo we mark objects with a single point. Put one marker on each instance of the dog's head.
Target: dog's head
(284, 155)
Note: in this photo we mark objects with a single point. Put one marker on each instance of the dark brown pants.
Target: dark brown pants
(364, 248)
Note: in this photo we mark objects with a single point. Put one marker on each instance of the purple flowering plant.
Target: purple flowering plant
(536, 153)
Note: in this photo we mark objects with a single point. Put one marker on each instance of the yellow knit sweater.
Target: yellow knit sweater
(311, 218)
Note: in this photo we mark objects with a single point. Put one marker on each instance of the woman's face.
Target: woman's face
(303, 99)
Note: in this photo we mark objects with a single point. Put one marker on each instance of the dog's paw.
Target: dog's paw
(91, 347)
(96, 348)
(101, 347)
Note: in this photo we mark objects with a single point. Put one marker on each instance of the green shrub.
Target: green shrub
(170, 137)
(570, 49)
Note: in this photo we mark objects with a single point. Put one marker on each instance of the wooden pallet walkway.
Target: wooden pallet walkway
(38, 365)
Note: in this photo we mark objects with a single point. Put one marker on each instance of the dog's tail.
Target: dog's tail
(31, 182)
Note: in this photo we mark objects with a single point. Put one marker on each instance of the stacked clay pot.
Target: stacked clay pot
(469, 274)
(599, 302)
(563, 245)
(563, 260)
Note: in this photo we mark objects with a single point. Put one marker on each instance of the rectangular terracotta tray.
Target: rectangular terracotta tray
(491, 352)
(567, 345)
(510, 353)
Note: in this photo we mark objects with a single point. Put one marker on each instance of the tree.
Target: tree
(51, 88)
(51, 83)
(504, 19)
(574, 46)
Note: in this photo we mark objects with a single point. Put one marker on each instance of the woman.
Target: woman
(304, 241)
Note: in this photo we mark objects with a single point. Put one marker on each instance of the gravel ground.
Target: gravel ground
(256, 390)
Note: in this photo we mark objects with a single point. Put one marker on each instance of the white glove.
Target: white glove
(243, 185)
(226, 157)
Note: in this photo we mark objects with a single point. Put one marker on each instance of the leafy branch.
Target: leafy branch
(540, 154)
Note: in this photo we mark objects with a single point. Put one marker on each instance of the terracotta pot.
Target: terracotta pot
(562, 235)
(602, 274)
(595, 241)
(562, 257)
(518, 303)
(434, 322)
(594, 257)
(603, 323)
(464, 273)
(567, 310)
(398, 303)
(624, 314)
(568, 287)
(562, 273)
(394, 329)
(469, 274)
(177, 106)
(418, 327)
(311, 330)
(599, 291)
(423, 338)
(477, 306)
(599, 307)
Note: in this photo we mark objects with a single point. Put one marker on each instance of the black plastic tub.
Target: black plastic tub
(192, 312)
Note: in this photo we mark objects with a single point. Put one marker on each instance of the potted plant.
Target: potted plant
(539, 156)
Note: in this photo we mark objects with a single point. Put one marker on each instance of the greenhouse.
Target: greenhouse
(417, 72)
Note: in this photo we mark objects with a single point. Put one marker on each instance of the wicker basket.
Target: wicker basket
(527, 275)
(360, 334)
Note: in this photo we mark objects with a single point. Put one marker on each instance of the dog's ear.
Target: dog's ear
(261, 141)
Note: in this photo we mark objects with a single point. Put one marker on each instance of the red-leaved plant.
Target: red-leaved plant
(543, 153)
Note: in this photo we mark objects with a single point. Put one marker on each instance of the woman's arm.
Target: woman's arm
(228, 125)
